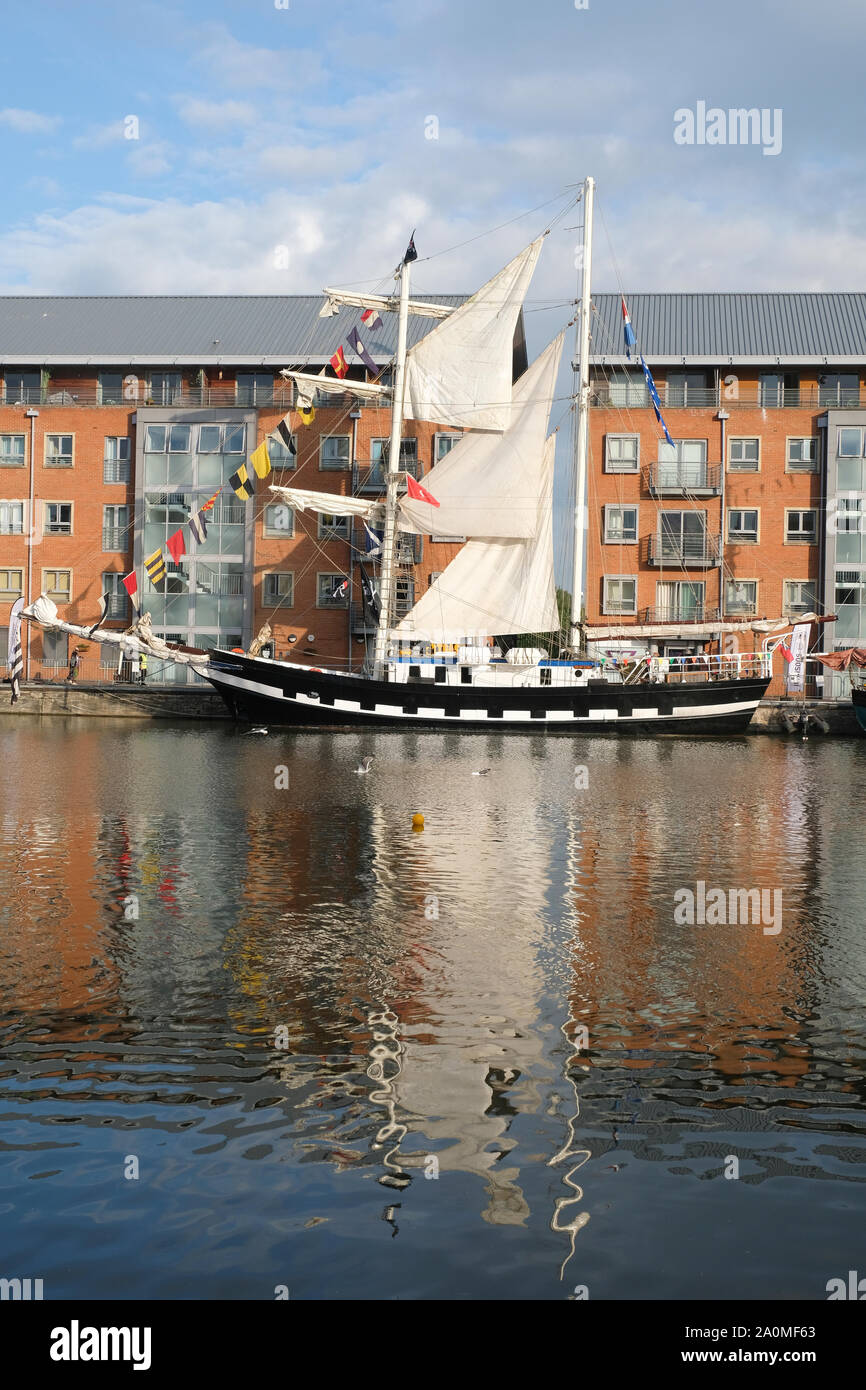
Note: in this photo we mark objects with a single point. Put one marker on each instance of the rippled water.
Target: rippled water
(348, 1058)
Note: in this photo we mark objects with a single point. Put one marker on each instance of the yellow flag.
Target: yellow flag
(260, 460)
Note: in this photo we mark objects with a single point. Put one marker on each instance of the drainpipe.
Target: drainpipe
(722, 418)
(31, 415)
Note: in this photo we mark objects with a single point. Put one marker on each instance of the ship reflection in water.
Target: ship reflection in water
(480, 1061)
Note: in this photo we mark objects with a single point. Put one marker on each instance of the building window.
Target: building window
(448, 540)
(58, 451)
(23, 388)
(279, 521)
(55, 648)
(741, 598)
(280, 588)
(620, 525)
(682, 464)
(179, 437)
(620, 594)
(334, 528)
(254, 388)
(11, 582)
(433, 576)
(742, 526)
(443, 444)
(798, 597)
(155, 439)
(850, 586)
(12, 449)
(409, 548)
(115, 528)
(334, 451)
(628, 388)
(332, 591)
(57, 584)
(118, 600)
(802, 455)
(58, 518)
(849, 443)
(164, 388)
(688, 388)
(621, 453)
(778, 388)
(744, 455)
(11, 518)
(404, 596)
(279, 453)
(234, 438)
(116, 459)
(209, 439)
(839, 388)
(109, 388)
(801, 525)
(679, 601)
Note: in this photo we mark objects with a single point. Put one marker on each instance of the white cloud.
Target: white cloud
(100, 137)
(216, 115)
(28, 122)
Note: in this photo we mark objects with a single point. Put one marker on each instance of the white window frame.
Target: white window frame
(734, 612)
(802, 538)
(740, 465)
(209, 425)
(279, 599)
(12, 517)
(610, 508)
(111, 580)
(448, 540)
(60, 434)
(12, 569)
(65, 594)
(112, 509)
(279, 533)
(606, 603)
(339, 604)
(341, 466)
(120, 458)
(453, 435)
(46, 528)
(608, 440)
(790, 610)
(796, 465)
(4, 458)
(854, 429)
(335, 531)
(742, 539)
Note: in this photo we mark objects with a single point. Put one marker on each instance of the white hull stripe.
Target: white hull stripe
(514, 716)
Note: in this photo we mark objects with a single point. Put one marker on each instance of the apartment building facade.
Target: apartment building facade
(755, 512)
(120, 417)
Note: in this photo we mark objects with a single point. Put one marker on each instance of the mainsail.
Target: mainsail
(488, 485)
(494, 586)
(460, 373)
(327, 503)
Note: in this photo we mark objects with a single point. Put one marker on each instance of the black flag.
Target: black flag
(16, 657)
(411, 253)
(369, 595)
(103, 609)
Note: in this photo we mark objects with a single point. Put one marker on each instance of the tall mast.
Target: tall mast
(386, 573)
(582, 442)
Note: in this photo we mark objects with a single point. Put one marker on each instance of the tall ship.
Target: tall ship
(445, 663)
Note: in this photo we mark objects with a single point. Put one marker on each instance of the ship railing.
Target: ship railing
(709, 666)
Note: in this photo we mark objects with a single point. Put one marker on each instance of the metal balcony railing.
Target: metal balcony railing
(116, 538)
(679, 613)
(697, 551)
(748, 394)
(671, 479)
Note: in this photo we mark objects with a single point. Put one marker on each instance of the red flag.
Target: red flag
(175, 546)
(130, 584)
(339, 363)
(786, 652)
(419, 493)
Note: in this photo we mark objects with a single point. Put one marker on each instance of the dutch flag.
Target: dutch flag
(627, 329)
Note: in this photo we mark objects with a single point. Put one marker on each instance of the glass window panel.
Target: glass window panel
(209, 439)
(179, 439)
(155, 439)
(849, 443)
(849, 474)
(234, 439)
(12, 447)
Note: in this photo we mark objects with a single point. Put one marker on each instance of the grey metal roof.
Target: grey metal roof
(199, 330)
(718, 328)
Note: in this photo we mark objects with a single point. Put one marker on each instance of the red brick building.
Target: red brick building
(120, 417)
(730, 525)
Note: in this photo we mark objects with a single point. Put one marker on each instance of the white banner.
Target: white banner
(797, 664)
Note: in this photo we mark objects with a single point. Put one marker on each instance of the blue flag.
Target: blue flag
(356, 343)
(627, 329)
(654, 397)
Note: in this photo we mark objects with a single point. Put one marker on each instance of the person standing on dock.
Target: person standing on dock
(74, 662)
(142, 667)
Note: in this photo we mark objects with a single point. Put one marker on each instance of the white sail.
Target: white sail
(328, 503)
(460, 373)
(494, 586)
(488, 484)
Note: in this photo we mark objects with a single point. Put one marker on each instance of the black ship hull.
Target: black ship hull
(267, 692)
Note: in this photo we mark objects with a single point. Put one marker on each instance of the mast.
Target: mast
(386, 572)
(581, 513)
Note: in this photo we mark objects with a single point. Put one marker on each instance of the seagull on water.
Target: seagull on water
(364, 766)
(257, 729)
(483, 773)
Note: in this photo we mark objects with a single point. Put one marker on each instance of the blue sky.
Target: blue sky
(305, 127)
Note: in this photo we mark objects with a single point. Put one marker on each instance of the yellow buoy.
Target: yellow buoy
(417, 821)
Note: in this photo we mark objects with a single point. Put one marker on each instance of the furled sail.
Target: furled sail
(328, 503)
(460, 373)
(494, 586)
(488, 485)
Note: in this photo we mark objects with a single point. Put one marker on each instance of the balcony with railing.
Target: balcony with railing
(698, 551)
(678, 613)
(116, 538)
(746, 394)
(219, 395)
(698, 479)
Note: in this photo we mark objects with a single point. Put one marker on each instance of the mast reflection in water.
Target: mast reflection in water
(480, 1061)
